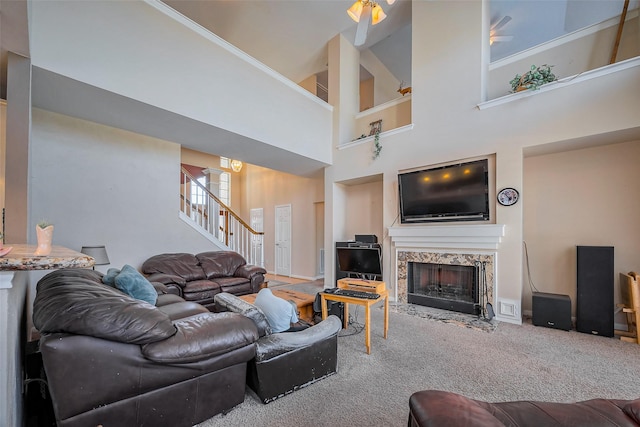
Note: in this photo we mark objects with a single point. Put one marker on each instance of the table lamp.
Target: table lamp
(98, 253)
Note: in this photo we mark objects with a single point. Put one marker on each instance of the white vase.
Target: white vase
(45, 236)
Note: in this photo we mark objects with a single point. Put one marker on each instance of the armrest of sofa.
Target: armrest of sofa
(160, 288)
(276, 344)
(441, 408)
(248, 271)
(229, 302)
(201, 337)
(167, 279)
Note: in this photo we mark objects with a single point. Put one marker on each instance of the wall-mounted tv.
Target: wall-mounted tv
(458, 192)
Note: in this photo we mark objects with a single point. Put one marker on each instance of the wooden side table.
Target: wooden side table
(374, 287)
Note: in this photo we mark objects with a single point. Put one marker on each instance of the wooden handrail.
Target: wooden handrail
(227, 208)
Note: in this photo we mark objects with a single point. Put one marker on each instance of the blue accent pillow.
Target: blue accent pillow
(109, 279)
(134, 284)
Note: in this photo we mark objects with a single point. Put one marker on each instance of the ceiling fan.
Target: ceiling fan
(493, 36)
(366, 12)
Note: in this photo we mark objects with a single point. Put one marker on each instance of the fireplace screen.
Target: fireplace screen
(449, 287)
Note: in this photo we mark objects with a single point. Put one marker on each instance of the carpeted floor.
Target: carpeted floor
(511, 363)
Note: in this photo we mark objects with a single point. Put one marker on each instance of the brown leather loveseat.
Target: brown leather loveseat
(200, 277)
(114, 360)
(434, 408)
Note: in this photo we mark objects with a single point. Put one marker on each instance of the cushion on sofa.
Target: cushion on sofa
(220, 263)
(76, 301)
(201, 337)
(183, 265)
(134, 284)
(234, 285)
(201, 286)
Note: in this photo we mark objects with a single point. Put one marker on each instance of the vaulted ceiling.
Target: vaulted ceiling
(290, 36)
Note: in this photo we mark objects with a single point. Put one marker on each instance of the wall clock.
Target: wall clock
(508, 196)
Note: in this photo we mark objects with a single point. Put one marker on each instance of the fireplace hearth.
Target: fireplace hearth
(444, 286)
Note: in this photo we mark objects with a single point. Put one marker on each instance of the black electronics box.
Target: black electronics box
(551, 310)
(333, 307)
(366, 238)
(336, 308)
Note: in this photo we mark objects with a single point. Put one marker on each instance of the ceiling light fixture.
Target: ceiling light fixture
(236, 165)
(363, 12)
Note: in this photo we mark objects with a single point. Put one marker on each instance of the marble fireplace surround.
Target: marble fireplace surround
(446, 244)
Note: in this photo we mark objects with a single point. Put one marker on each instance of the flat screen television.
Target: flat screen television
(360, 261)
(458, 192)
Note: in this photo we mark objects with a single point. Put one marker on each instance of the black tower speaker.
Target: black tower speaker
(594, 305)
(551, 310)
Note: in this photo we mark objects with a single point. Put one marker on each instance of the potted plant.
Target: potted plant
(44, 234)
(533, 79)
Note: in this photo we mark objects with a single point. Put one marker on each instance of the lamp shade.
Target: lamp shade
(98, 253)
(355, 11)
(236, 165)
(377, 14)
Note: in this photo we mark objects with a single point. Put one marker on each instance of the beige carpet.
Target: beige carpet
(511, 363)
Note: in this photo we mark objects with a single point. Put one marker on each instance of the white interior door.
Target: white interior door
(257, 223)
(283, 240)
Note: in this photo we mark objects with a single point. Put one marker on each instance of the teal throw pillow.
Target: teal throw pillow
(110, 278)
(134, 284)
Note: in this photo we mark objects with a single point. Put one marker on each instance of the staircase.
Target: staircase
(216, 221)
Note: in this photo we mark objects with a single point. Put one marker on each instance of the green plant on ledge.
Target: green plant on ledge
(44, 224)
(533, 79)
(377, 147)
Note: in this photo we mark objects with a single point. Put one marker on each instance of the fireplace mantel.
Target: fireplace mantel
(481, 236)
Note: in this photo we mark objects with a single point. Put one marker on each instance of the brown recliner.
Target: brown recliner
(113, 360)
(434, 408)
(200, 277)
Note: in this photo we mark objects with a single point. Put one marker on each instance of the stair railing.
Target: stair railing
(215, 218)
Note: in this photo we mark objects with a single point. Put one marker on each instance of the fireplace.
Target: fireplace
(445, 286)
(462, 245)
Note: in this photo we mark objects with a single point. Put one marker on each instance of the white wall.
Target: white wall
(105, 186)
(364, 204)
(385, 86)
(147, 52)
(586, 50)
(583, 197)
(266, 189)
(448, 125)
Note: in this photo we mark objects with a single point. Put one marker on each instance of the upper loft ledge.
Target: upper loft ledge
(370, 137)
(578, 78)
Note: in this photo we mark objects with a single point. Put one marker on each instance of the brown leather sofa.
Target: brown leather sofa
(200, 277)
(286, 361)
(113, 360)
(433, 408)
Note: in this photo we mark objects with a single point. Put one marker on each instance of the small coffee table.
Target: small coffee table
(303, 301)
